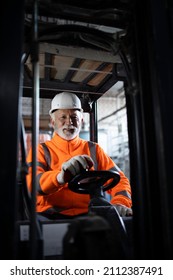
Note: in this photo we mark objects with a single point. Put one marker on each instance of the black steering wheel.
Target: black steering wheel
(86, 181)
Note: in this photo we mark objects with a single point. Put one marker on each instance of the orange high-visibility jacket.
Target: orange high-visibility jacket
(50, 194)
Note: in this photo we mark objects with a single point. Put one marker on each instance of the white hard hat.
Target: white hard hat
(65, 100)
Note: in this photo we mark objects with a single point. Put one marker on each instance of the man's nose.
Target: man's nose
(69, 120)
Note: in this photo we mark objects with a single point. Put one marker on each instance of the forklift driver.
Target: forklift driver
(63, 157)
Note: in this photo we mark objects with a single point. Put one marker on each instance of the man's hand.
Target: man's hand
(123, 210)
(73, 167)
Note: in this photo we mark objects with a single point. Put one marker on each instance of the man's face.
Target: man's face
(67, 123)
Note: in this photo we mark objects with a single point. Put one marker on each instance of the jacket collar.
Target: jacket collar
(66, 145)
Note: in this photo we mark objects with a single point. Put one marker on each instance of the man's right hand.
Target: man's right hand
(74, 166)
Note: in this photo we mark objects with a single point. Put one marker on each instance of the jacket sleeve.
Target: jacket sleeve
(46, 178)
(121, 193)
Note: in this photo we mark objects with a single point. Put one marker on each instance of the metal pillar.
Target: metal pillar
(11, 34)
(153, 217)
(93, 123)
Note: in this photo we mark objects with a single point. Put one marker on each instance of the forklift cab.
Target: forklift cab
(87, 48)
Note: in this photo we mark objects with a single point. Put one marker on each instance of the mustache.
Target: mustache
(69, 127)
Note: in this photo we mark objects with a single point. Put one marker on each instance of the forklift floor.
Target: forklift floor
(53, 233)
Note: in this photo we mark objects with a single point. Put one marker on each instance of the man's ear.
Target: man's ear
(52, 122)
(82, 116)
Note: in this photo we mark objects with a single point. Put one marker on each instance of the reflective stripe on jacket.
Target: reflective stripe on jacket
(51, 195)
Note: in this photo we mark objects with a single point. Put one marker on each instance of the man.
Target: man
(63, 157)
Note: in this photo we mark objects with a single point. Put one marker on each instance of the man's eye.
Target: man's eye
(63, 117)
(74, 118)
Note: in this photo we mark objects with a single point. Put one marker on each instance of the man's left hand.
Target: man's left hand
(123, 210)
